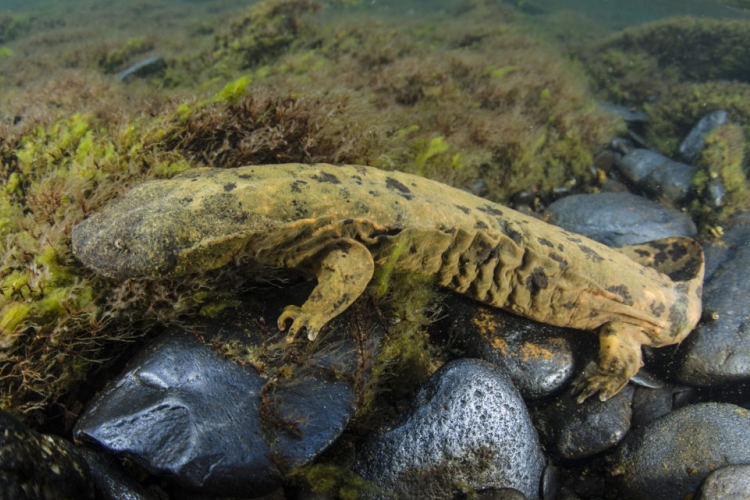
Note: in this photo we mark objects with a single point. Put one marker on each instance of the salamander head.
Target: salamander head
(129, 242)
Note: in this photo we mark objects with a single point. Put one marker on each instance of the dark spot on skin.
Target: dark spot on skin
(569, 305)
(660, 258)
(677, 252)
(484, 252)
(463, 209)
(575, 240)
(560, 261)
(657, 309)
(451, 230)
(512, 234)
(643, 253)
(229, 187)
(357, 180)
(489, 209)
(688, 271)
(326, 177)
(245, 177)
(560, 248)
(347, 221)
(186, 200)
(657, 245)
(537, 281)
(296, 186)
(412, 249)
(480, 225)
(623, 292)
(545, 242)
(373, 193)
(594, 314)
(591, 253)
(676, 317)
(193, 179)
(395, 185)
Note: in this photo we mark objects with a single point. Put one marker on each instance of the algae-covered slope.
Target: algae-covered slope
(458, 97)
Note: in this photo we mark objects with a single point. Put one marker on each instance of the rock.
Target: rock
(656, 175)
(652, 404)
(731, 482)
(538, 357)
(718, 351)
(467, 426)
(582, 430)
(149, 67)
(668, 458)
(693, 144)
(619, 219)
(112, 481)
(183, 411)
(35, 466)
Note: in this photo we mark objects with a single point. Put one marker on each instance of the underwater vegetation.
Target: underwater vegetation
(474, 99)
(679, 70)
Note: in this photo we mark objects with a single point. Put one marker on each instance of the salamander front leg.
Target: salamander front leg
(619, 359)
(343, 268)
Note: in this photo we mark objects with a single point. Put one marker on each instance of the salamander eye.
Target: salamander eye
(120, 245)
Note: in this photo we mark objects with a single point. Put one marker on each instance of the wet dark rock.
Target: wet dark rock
(622, 145)
(731, 482)
(619, 219)
(651, 404)
(715, 192)
(550, 482)
(467, 426)
(35, 466)
(582, 430)
(538, 357)
(501, 494)
(668, 458)
(718, 351)
(656, 175)
(149, 67)
(112, 481)
(184, 412)
(693, 144)
(478, 187)
(628, 114)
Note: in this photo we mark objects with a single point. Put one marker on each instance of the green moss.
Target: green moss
(332, 480)
(116, 59)
(13, 25)
(436, 146)
(262, 32)
(232, 91)
(723, 158)
(501, 72)
(11, 318)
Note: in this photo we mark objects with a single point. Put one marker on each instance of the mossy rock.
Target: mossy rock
(696, 49)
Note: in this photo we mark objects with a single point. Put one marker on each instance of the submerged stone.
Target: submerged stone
(184, 412)
(693, 144)
(467, 426)
(668, 458)
(619, 219)
(38, 466)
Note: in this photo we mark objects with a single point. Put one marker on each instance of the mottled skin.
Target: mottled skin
(339, 222)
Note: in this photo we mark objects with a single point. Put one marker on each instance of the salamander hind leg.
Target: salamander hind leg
(619, 359)
(343, 269)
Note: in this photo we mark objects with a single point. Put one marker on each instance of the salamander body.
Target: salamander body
(339, 222)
